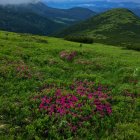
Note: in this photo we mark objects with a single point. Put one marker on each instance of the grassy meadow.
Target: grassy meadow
(33, 68)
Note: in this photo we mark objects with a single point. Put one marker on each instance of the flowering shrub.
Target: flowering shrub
(69, 56)
(23, 71)
(80, 103)
(127, 93)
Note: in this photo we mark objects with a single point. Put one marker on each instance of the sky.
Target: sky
(92, 0)
(4, 2)
(60, 1)
(93, 4)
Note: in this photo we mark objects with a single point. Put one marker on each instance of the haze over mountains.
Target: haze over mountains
(97, 6)
(64, 16)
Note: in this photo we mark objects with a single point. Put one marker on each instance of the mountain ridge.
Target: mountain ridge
(98, 6)
(116, 27)
(46, 20)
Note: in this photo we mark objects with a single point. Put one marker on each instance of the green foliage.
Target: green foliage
(81, 39)
(28, 64)
(133, 46)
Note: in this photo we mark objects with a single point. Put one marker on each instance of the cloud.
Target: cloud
(5, 2)
(60, 1)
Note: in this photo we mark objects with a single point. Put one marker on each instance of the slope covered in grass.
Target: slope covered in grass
(22, 20)
(116, 27)
(34, 67)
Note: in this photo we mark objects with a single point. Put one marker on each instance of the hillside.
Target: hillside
(66, 16)
(26, 21)
(116, 26)
(39, 19)
(56, 89)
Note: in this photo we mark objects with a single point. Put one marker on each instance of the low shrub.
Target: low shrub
(69, 56)
(81, 39)
(133, 47)
(81, 105)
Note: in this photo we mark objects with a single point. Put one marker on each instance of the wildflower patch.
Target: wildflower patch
(69, 56)
(78, 104)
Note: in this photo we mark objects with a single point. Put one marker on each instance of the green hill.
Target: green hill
(26, 22)
(116, 27)
(56, 89)
(39, 19)
(66, 16)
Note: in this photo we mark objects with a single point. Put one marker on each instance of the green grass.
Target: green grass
(109, 65)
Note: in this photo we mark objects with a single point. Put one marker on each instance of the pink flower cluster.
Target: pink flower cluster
(61, 104)
(74, 101)
(23, 72)
(81, 101)
(69, 56)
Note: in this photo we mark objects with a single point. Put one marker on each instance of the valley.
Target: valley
(40, 19)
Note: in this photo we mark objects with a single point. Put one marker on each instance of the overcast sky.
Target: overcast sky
(93, 0)
(17, 1)
(60, 1)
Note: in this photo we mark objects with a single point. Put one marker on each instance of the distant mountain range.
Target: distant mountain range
(65, 16)
(39, 18)
(136, 11)
(26, 22)
(97, 6)
(116, 27)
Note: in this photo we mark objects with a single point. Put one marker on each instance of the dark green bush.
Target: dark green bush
(134, 46)
(81, 39)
